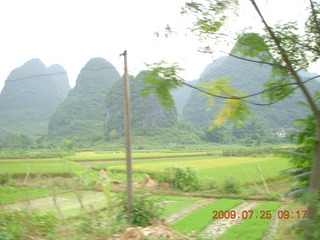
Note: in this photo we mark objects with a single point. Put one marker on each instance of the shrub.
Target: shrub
(27, 225)
(144, 209)
(5, 178)
(209, 183)
(181, 178)
(231, 185)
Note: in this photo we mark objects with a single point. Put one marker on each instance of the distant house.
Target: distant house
(281, 134)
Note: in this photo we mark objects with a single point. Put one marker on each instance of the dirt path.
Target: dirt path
(273, 227)
(219, 226)
(138, 160)
(186, 211)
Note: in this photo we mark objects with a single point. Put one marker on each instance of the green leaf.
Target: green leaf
(234, 108)
(160, 80)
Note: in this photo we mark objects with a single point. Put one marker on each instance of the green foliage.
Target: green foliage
(160, 80)
(209, 183)
(181, 178)
(302, 156)
(249, 151)
(5, 178)
(231, 185)
(17, 225)
(144, 209)
(252, 45)
(233, 108)
(205, 21)
(147, 113)
(249, 78)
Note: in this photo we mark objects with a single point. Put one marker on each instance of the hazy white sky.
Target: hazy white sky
(70, 32)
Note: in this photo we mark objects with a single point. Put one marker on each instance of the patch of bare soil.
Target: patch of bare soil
(219, 226)
(157, 230)
(186, 211)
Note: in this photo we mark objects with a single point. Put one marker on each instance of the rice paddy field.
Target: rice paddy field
(47, 166)
(216, 167)
(192, 213)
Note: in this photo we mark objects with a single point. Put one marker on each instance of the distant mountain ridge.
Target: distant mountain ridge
(37, 100)
(82, 114)
(146, 112)
(30, 96)
(248, 77)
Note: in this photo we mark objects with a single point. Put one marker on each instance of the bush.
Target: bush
(209, 183)
(5, 178)
(181, 178)
(144, 209)
(231, 185)
(27, 225)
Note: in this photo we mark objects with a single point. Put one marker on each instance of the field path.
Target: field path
(273, 227)
(219, 226)
(139, 160)
(186, 211)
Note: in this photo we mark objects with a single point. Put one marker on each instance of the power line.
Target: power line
(33, 76)
(54, 74)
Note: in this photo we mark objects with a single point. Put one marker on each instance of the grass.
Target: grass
(253, 228)
(173, 207)
(11, 194)
(216, 167)
(200, 218)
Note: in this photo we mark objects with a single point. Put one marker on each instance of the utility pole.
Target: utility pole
(127, 123)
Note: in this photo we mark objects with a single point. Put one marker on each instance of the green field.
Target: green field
(70, 174)
(68, 204)
(52, 166)
(200, 218)
(11, 194)
(215, 167)
(252, 228)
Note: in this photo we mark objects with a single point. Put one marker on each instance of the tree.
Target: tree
(285, 47)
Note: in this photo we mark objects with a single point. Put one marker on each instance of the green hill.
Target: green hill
(81, 115)
(146, 112)
(249, 78)
(30, 96)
